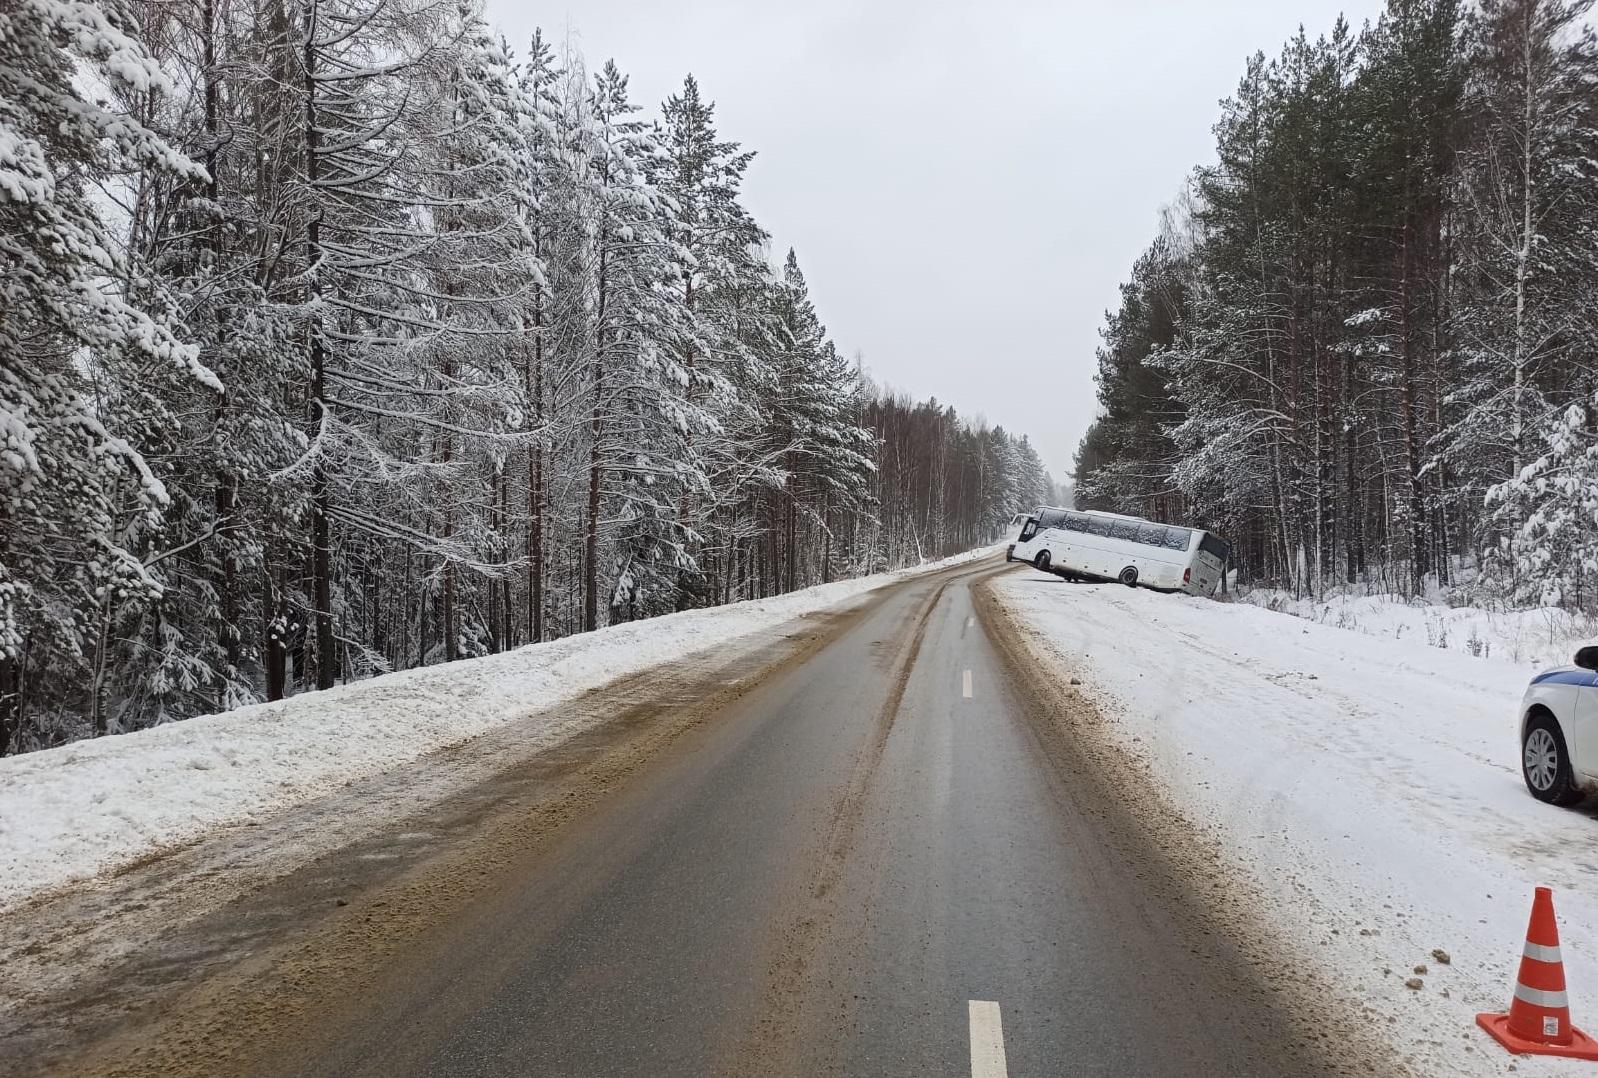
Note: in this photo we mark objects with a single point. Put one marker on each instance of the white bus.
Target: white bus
(1089, 545)
(1017, 524)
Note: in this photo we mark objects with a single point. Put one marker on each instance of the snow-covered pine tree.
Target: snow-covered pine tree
(715, 269)
(633, 387)
(542, 162)
(1527, 180)
(202, 243)
(1033, 485)
(80, 503)
(385, 403)
(823, 455)
(1554, 552)
(482, 275)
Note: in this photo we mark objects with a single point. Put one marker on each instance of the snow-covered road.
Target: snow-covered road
(1369, 788)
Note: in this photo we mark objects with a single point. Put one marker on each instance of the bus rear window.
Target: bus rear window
(1211, 545)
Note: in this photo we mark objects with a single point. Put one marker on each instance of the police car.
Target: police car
(1559, 731)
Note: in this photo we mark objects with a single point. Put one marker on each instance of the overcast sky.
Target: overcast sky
(965, 184)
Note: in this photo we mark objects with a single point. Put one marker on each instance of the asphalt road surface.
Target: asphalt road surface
(874, 859)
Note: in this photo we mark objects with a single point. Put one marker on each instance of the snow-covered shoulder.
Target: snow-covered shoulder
(1544, 635)
(1368, 785)
(87, 807)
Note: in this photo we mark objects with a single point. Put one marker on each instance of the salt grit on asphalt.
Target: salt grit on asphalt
(1369, 787)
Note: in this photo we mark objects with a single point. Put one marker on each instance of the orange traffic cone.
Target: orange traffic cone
(1538, 1022)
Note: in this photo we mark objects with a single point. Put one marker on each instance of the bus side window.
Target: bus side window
(1098, 526)
(1152, 534)
(1029, 530)
(1126, 529)
(1076, 522)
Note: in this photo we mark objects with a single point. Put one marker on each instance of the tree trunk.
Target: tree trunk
(1409, 404)
(595, 428)
(321, 498)
(535, 487)
(276, 642)
(451, 634)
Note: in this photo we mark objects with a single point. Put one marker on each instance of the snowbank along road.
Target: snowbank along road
(888, 838)
(1367, 789)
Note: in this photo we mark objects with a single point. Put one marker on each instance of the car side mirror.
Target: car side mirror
(1587, 657)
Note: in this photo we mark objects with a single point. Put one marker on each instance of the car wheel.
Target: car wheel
(1042, 560)
(1128, 576)
(1544, 763)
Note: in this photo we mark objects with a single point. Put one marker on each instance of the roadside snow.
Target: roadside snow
(1369, 786)
(85, 808)
(1541, 635)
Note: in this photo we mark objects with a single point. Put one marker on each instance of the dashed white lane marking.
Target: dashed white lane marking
(987, 1040)
(966, 687)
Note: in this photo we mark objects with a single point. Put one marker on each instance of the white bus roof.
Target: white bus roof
(1119, 516)
(1090, 512)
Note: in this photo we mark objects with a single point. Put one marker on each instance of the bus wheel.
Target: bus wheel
(1042, 560)
(1129, 576)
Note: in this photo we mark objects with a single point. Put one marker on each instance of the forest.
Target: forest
(1362, 343)
(341, 336)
